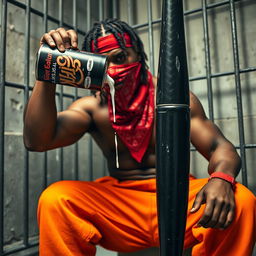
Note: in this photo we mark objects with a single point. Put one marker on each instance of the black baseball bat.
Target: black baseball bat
(172, 131)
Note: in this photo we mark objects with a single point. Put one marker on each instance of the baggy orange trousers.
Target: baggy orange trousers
(74, 216)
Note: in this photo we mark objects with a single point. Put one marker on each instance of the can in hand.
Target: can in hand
(72, 67)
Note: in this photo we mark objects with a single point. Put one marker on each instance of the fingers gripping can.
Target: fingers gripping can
(72, 67)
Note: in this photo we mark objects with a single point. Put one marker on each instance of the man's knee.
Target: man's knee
(56, 196)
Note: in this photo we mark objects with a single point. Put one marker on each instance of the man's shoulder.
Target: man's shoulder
(196, 107)
(87, 103)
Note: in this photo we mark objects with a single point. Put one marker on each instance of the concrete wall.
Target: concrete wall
(225, 107)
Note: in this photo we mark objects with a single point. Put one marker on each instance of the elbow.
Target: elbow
(32, 146)
(34, 149)
(239, 163)
(33, 142)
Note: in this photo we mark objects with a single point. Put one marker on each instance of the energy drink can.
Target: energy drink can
(72, 67)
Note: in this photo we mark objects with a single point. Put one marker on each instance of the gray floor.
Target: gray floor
(102, 252)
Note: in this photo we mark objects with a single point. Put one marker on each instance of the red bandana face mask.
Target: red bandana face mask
(127, 78)
(134, 101)
(134, 108)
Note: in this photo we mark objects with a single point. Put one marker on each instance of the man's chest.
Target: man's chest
(105, 134)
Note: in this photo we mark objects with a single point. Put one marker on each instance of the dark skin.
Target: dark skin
(45, 129)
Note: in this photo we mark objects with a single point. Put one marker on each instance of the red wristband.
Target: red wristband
(224, 176)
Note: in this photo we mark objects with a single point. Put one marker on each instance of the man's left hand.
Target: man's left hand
(219, 210)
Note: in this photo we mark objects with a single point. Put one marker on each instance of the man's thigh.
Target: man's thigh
(123, 212)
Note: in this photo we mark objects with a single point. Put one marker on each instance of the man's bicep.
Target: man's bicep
(205, 135)
(71, 125)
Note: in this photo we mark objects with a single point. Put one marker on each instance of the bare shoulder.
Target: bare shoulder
(196, 108)
(87, 104)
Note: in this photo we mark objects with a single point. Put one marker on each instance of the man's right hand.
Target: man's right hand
(60, 38)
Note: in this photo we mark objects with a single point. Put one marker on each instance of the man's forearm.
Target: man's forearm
(225, 159)
(40, 116)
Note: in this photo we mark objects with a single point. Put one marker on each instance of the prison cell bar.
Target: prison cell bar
(130, 12)
(61, 150)
(238, 91)
(172, 131)
(228, 73)
(150, 38)
(90, 148)
(101, 17)
(26, 153)
(76, 149)
(2, 118)
(114, 6)
(88, 14)
(207, 60)
(45, 22)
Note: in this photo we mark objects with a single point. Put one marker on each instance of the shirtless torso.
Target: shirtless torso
(88, 114)
(103, 134)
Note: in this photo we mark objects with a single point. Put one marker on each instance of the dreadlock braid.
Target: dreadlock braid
(117, 28)
(116, 31)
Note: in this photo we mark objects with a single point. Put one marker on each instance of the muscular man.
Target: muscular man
(119, 211)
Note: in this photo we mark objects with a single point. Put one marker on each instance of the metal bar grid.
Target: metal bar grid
(27, 242)
(41, 14)
(237, 71)
(209, 75)
(196, 10)
(209, 6)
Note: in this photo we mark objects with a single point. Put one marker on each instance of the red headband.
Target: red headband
(108, 43)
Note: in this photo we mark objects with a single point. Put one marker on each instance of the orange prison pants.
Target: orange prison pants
(74, 216)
